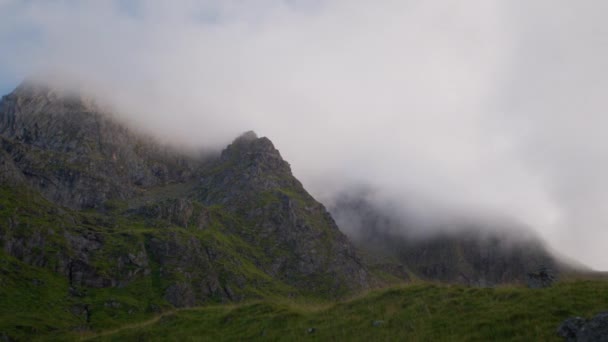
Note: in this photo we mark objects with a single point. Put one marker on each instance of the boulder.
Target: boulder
(378, 323)
(540, 279)
(581, 330)
(595, 329)
(569, 328)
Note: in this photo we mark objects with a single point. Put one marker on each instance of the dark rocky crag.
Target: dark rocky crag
(302, 241)
(74, 154)
(578, 329)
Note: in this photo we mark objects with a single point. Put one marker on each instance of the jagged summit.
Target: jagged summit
(75, 153)
(246, 137)
(250, 143)
(39, 115)
(43, 95)
(301, 239)
(33, 87)
(254, 164)
(30, 87)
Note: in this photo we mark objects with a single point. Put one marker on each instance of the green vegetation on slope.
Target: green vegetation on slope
(37, 299)
(418, 312)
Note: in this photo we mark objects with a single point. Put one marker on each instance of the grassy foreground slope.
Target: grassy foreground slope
(417, 312)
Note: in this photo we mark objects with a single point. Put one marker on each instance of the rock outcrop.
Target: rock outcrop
(540, 279)
(298, 235)
(76, 154)
(577, 329)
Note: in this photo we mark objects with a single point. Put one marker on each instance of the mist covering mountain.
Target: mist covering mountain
(502, 101)
(224, 227)
(105, 221)
(473, 251)
(335, 169)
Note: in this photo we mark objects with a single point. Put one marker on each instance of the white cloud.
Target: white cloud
(493, 105)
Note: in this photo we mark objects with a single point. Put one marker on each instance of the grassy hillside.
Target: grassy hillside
(418, 312)
(37, 298)
(64, 271)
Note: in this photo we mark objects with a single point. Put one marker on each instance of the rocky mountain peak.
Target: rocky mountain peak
(253, 149)
(254, 164)
(53, 119)
(253, 182)
(77, 154)
(43, 95)
(246, 137)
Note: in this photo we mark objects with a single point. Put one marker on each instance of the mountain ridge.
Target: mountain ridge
(110, 225)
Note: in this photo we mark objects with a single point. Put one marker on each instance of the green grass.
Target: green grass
(36, 303)
(33, 301)
(417, 312)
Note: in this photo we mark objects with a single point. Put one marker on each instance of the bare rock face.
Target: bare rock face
(298, 235)
(182, 212)
(74, 153)
(595, 329)
(540, 279)
(570, 328)
(9, 173)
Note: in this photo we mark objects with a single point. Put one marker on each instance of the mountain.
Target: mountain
(470, 252)
(105, 222)
(101, 225)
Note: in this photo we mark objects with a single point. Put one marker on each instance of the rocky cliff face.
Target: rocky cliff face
(75, 154)
(301, 240)
(107, 208)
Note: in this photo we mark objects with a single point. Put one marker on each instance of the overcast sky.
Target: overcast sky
(476, 106)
